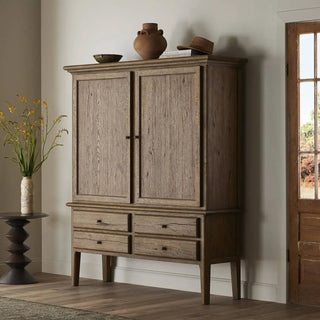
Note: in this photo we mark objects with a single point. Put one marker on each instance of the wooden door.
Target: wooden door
(303, 87)
(101, 130)
(167, 131)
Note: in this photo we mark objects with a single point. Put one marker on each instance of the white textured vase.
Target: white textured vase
(26, 195)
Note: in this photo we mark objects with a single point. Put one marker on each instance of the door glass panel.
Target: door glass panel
(306, 50)
(307, 116)
(307, 190)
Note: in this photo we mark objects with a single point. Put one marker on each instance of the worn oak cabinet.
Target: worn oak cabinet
(157, 163)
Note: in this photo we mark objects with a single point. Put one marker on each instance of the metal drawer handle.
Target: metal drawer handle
(164, 248)
(99, 221)
(99, 242)
(164, 226)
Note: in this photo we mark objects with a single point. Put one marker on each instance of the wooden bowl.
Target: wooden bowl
(105, 58)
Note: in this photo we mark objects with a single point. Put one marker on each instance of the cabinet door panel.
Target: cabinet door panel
(167, 119)
(103, 152)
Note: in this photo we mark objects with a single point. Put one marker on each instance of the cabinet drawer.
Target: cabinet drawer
(167, 225)
(169, 248)
(101, 241)
(101, 220)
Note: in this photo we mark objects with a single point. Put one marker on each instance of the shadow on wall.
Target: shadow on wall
(231, 47)
(253, 215)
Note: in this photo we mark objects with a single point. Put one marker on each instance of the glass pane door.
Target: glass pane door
(308, 86)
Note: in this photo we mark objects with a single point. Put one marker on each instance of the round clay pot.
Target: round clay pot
(150, 42)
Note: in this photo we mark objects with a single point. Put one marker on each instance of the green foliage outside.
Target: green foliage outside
(307, 170)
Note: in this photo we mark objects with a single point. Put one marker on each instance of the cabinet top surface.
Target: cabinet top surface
(164, 62)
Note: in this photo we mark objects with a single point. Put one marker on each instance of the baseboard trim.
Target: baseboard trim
(166, 279)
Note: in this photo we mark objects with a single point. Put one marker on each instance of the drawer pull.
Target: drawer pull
(164, 226)
(164, 248)
(99, 242)
(102, 223)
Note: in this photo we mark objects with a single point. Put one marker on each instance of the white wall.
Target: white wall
(19, 73)
(73, 30)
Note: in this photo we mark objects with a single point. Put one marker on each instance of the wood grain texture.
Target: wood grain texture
(156, 64)
(146, 303)
(180, 198)
(309, 227)
(187, 227)
(165, 248)
(107, 268)
(303, 214)
(101, 241)
(293, 123)
(100, 220)
(168, 124)
(223, 138)
(103, 152)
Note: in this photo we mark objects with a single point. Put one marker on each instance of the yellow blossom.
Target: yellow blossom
(45, 103)
(1, 115)
(42, 123)
(58, 136)
(36, 101)
(12, 109)
(32, 111)
(22, 99)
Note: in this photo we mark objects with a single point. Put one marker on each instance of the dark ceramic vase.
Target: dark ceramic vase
(150, 42)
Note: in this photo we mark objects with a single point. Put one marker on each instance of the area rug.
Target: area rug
(12, 309)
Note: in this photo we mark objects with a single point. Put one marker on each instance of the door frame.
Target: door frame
(294, 204)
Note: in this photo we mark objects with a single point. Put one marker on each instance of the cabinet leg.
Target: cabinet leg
(235, 277)
(205, 269)
(107, 270)
(75, 268)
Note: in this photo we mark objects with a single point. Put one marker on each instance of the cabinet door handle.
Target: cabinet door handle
(99, 242)
(137, 137)
(128, 137)
(164, 248)
(99, 221)
(164, 226)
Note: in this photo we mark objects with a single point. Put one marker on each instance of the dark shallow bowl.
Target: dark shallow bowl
(104, 58)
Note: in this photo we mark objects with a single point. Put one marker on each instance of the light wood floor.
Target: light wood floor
(146, 303)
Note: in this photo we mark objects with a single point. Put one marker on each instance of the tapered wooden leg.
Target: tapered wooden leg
(205, 282)
(107, 272)
(235, 277)
(75, 268)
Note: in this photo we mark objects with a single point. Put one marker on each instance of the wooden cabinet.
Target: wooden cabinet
(157, 151)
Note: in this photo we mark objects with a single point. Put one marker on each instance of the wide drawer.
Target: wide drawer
(167, 225)
(101, 220)
(169, 248)
(101, 241)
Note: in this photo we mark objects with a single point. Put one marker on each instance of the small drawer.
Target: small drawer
(189, 227)
(101, 242)
(169, 248)
(101, 220)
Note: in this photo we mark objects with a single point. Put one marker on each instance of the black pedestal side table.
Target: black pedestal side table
(17, 260)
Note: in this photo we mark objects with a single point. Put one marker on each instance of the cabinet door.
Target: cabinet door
(101, 125)
(167, 130)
